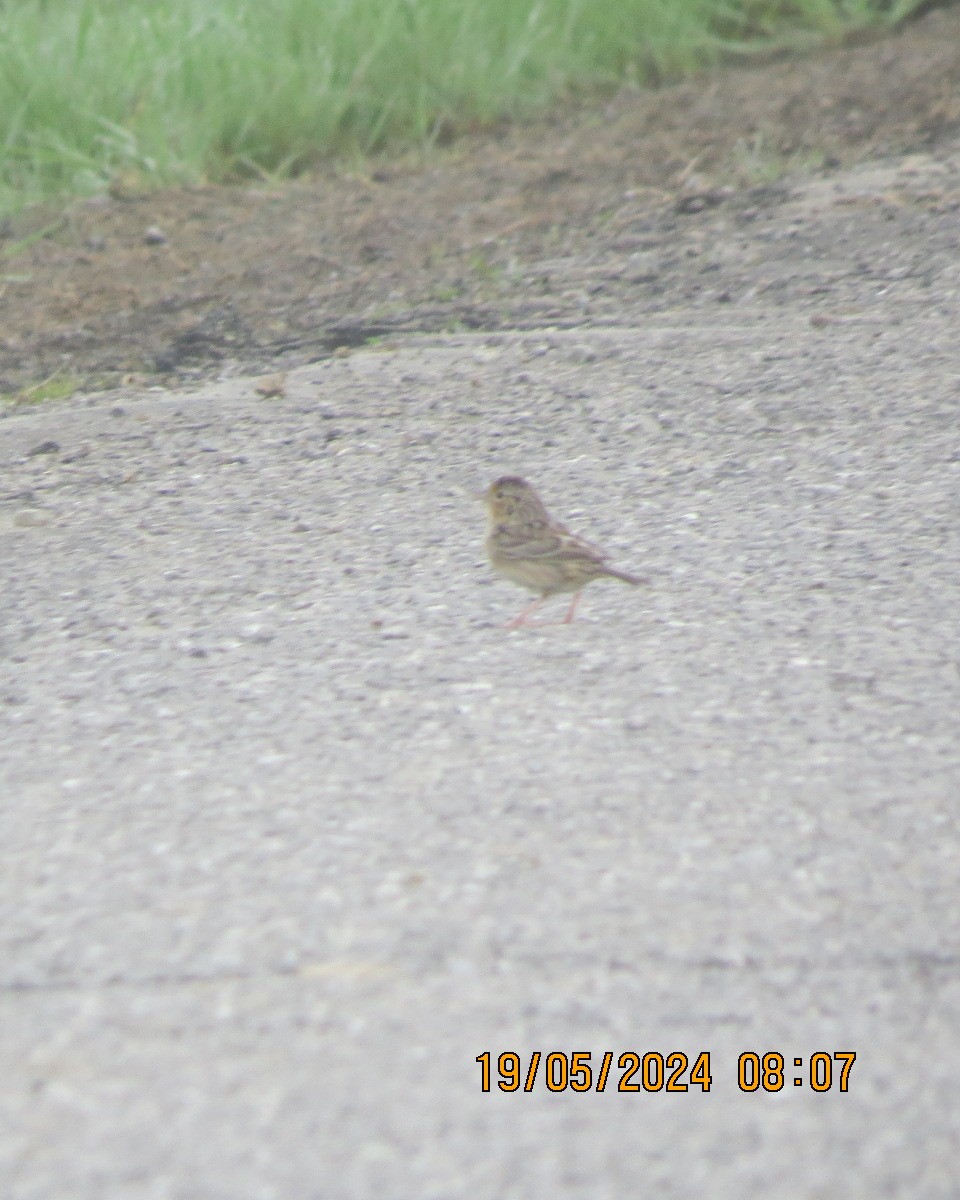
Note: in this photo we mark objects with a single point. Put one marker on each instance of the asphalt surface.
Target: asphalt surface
(292, 830)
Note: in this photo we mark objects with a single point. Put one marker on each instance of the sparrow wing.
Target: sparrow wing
(574, 547)
(527, 544)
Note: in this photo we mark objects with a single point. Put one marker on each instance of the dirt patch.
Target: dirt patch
(182, 284)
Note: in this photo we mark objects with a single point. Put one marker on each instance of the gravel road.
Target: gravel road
(293, 830)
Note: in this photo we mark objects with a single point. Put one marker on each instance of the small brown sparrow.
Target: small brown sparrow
(527, 545)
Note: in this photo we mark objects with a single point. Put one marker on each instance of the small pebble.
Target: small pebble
(31, 518)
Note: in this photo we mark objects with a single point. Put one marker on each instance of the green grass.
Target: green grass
(161, 91)
(58, 386)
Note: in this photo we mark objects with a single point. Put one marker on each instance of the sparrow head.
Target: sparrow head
(510, 497)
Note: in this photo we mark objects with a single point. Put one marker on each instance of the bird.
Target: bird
(526, 545)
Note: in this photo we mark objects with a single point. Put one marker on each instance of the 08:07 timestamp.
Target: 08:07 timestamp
(656, 1072)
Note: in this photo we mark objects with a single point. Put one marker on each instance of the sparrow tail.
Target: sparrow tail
(625, 576)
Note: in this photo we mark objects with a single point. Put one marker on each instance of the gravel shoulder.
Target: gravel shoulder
(293, 829)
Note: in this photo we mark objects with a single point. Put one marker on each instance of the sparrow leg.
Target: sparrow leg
(521, 618)
(573, 608)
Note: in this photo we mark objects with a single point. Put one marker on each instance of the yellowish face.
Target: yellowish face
(508, 496)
